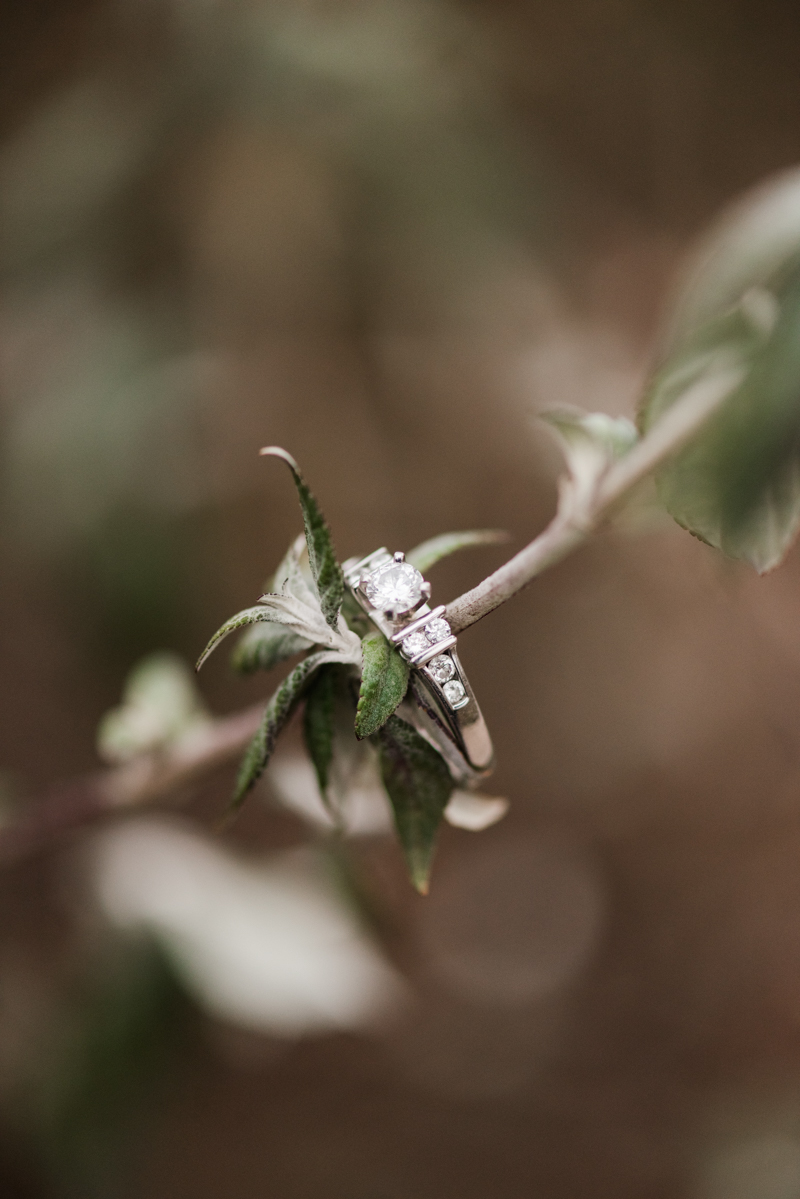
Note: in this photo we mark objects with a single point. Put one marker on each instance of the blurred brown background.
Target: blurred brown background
(382, 233)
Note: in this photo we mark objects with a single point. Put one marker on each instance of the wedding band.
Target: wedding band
(442, 705)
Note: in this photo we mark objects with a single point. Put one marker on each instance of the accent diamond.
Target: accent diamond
(415, 643)
(442, 668)
(437, 630)
(454, 691)
(395, 587)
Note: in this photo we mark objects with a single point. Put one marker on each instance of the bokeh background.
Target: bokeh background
(383, 233)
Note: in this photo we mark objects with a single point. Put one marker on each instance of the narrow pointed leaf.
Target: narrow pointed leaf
(319, 723)
(428, 553)
(265, 645)
(278, 711)
(384, 680)
(246, 617)
(321, 554)
(419, 786)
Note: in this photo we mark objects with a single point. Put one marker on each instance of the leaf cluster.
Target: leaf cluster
(348, 675)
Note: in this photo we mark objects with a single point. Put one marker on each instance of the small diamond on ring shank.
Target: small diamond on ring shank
(442, 668)
(437, 629)
(415, 643)
(454, 691)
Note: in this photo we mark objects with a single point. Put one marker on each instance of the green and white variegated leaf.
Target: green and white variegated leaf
(384, 680)
(160, 704)
(591, 442)
(278, 711)
(419, 786)
(325, 569)
(426, 555)
(264, 646)
(736, 329)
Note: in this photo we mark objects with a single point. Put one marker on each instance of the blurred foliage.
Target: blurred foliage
(102, 1068)
(736, 328)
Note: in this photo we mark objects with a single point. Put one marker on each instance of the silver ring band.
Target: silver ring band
(442, 706)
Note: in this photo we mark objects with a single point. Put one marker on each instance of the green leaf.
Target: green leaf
(384, 680)
(247, 616)
(419, 785)
(319, 723)
(580, 433)
(279, 709)
(430, 552)
(265, 645)
(590, 443)
(321, 555)
(736, 329)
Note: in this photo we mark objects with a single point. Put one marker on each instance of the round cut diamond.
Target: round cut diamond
(442, 668)
(454, 691)
(396, 587)
(437, 630)
(415, 643)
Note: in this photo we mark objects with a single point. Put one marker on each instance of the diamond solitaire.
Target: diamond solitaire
(395, 587)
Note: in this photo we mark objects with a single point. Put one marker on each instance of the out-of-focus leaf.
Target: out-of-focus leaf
(265, 645)
(384, 680)
(321, 554)
(419, 785)
(426, 555)
(590, 442)
(474, 812)
(736, 328)
(160, 704)
(319, 723)
(278, 711)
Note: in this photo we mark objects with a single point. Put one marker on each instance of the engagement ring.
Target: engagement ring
(443, 708)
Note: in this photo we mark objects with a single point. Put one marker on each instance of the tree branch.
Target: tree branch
(144, 781)
(568, 529)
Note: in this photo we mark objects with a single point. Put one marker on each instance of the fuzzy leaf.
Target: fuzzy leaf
(321, 555)
(285, 610)
(736, 328)
(319, 723)
(419, 786)
(279, 709)
(245, 617)
(384, 680)
(590, 443)
(265, 645)
(426, 555)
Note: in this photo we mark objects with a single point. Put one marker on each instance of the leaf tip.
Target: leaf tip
(277, 451)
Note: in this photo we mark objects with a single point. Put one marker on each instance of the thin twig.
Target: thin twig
(145, 780)
(566, 533)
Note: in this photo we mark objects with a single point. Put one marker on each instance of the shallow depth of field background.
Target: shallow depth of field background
(383, 233)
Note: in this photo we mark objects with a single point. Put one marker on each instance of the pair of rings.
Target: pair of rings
(441, 705)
